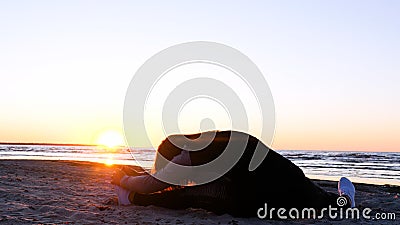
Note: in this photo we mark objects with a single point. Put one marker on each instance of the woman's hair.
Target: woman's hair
(166, 152)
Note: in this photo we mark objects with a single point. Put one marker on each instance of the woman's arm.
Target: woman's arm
(148, 183)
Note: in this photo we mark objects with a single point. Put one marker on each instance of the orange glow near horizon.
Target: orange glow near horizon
(335, 83)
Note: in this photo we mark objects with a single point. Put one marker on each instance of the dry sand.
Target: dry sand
(70, 192)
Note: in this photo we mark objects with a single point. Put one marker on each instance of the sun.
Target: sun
(110, 139)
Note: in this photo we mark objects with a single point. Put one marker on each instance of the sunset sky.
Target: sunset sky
(332, 66)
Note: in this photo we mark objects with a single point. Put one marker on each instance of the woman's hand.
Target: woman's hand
(117, 176)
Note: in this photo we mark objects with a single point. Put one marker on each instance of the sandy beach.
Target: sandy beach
(72, 192)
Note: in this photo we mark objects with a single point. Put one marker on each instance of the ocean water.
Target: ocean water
(364, 167)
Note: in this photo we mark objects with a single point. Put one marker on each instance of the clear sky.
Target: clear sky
(332, 66)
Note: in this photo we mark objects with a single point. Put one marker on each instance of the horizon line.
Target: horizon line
(96, 145)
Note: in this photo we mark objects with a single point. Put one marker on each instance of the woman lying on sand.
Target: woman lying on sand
(277, 182)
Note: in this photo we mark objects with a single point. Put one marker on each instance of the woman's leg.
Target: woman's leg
(215, 197)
